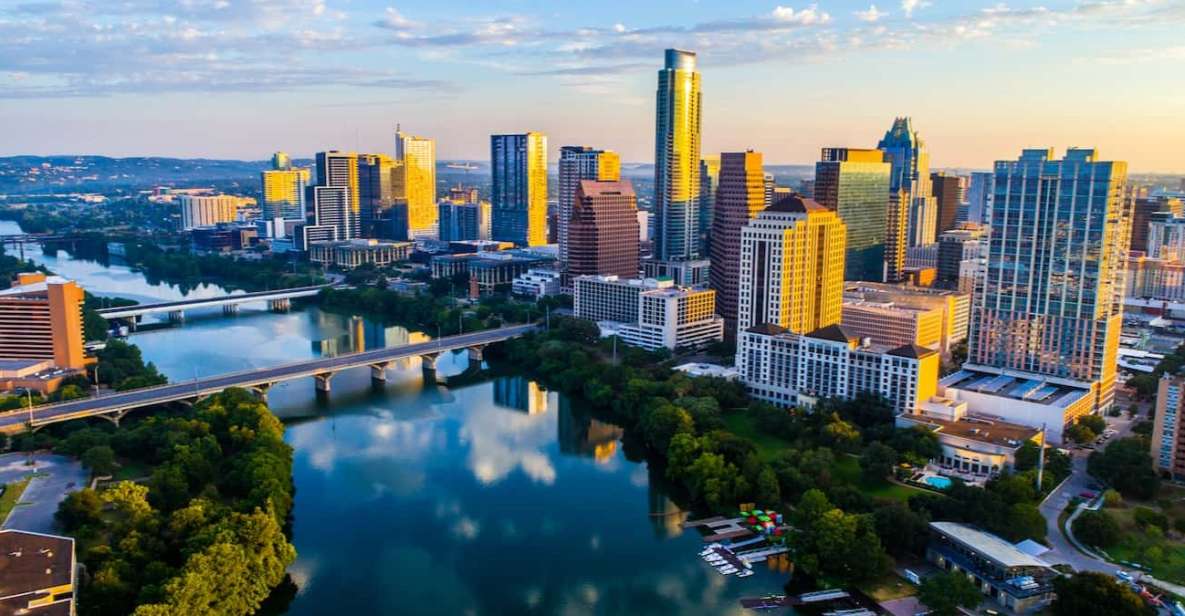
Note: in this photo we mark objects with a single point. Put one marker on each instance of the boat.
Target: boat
(744, 573)
(727, 569)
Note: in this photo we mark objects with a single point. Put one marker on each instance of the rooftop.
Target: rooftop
(34, 287)
(1031, 388)
(31, 562)
(796, 204)
(979, 428)
(988, 545)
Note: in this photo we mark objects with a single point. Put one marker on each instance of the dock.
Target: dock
(720, 529)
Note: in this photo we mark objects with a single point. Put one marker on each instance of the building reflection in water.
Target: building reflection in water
(521, 394)
(666, 517)
(359, 334)
(581, 435)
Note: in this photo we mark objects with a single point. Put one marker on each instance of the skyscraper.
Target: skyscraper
(948, 194)
(603, 230)
(579, 163)
(418, 156)
(519, 188)
(677, 159)
(709, 178)
(855, 184)
(1142, 214)
(896, 236)
(1049, 308)
(332, 210)
(41, 319)
(375, 193)
(740, 196)
(340, 170)
(911, 173)
(979, 194)
(283, 190)
(792, 263)
(281, 161)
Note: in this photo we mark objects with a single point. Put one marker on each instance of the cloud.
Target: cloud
(806, 17)
(909, 6)
(872, 15)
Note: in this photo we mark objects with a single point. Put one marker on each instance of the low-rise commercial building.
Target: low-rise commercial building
(537, 283)
(789, 369)
(224, 237)
(1022, 398)
(353, 253)
(693, 273)
(37, 574)
(1007, 576)
(32, 374)
(1168, 430)
(976, 445)
(649, 313)
(488, 270)
(955, 306)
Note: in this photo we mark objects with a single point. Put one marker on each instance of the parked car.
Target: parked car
(1087, 495)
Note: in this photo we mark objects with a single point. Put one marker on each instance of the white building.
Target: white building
(978, 445)
(537, 283)
(208, 210)
(649, 313)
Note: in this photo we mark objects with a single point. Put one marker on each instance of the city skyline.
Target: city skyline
(250, 79)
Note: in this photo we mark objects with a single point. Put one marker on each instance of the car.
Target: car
(1087, 495)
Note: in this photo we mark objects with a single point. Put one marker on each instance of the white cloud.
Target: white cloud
(872, 15)
(806, 17)
(909, 6)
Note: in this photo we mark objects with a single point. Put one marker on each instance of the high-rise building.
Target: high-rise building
(519, 188)
(740, 196)
(1142, 214)
(332, 209)
(281, 161)
(340, 170)
(855, 184)
(603, 230)
(464, 221)
(677, 159)
(1048, 341)
(979, 195)
(948, 196)
(375, 193)
(418, 157)
(792, 263)
(1168, 427)
(207, 210)
(283, 193)
(896, 236)
(41, 319)
(463, 194)
(911, 173)
(709, 178)
(960, 256)
(578, 163)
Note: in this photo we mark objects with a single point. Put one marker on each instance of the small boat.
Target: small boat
(744, 573)
(727, 569)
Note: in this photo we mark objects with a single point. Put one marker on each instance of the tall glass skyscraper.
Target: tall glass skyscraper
(519, 188)
(418, 156)
(677, 159)
(855, 184)
(911, 173)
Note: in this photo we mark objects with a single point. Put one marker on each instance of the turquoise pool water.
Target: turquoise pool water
(941, 483)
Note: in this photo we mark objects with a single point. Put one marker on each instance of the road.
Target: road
(56, 477)
(15, 421)
(141, 309)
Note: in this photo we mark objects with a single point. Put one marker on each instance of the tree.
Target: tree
(877, 461)
(1095, 594)
(1095, 423)
(1127, 466)
(1096, 528)
(79, 509)
(847, 547)
(1080, 433)
(1025, 521)
(840, 434)
(662, 422)
(945, 593)
(902, 531)
(100, 459)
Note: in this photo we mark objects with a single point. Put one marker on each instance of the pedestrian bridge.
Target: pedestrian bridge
(278, 299)
(114, 406)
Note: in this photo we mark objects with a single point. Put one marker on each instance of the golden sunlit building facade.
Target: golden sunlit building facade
(677, 159)
(418, 157)
(519, 188)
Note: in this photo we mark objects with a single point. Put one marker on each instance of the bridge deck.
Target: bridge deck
(15, 421)
(140, 309)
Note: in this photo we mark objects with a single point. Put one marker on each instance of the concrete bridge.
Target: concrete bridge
(277, 300)
(113, 407)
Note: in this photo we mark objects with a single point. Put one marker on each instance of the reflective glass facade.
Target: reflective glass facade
(677, 159)
(855, 184)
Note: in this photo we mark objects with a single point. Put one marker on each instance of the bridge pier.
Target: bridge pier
(261, 391)
(279, 305)
(115, 417)
(322, 381)
(230, 309)
(177, 316)
(476, 356)
(378, 372)
(428, 362)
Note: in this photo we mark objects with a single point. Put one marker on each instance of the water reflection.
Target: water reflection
(521, 394)
(579, 434)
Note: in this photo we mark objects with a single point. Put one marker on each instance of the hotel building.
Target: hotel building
(41, 319)
(855, 183)
(602, 232)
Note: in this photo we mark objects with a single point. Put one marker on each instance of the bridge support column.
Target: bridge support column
(261, 391)
(115, 417)
(428, 362)
(177, 316)
(322, 381)
(279, 305)
(378, 372)
(230, 309)
(476, 356)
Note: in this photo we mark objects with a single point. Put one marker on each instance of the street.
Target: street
(56, 476)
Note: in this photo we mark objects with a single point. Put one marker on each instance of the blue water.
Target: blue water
(941, 483)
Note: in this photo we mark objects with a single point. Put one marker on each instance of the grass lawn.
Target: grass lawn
(888, 587)
(847, 469)
(1165, 556)
(768, 446)
(12, 494)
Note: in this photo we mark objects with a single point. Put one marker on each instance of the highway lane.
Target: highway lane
(16, 420)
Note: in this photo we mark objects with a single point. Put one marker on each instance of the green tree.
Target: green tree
(1095, 594)
(877, 461)
(662, 422)
(902, 530)
(840, 434)
(1127, 466)
(847, 547)
(100, 459)
(945, 593)
(1096, 528)
(80, 509)
(1096, 423)
(1080, 433)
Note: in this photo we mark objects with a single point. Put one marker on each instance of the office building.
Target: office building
(1164, 236)
(489, 270)
(959, 256)
(696, 273)
(1144, 210)
(792, 264)
(281, 160)
(922, 257)
(519, 188)
(208, 210)
(893, 325)
(896, 237)
(1168, 429)
(1155, 279)
(579, 163)
(224, 237)
(855, 184)
(911, 173)
(740, 196)
(1044, 350)
(332, 208)
(954, 305)
(789, 369)
(418, 158)
(649, 313)
(39, 574)
(284, 189)
(537, 284)
(375, 192)
(709, 179)
(304, 236)
(41, 319)
(603, 230)
(1009, 578)
(979, 195)
(349, 254)
(340, 170)
(677, 159)
(949, 191)
(464, 221)
(463, 194)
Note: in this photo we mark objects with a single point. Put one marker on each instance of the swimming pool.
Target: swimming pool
(940, 483)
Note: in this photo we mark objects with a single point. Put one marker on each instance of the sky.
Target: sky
(242, 78)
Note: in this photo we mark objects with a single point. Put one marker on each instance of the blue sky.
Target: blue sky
(240, 78)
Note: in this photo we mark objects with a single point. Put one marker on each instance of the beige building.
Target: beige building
(955, 306)
(649, 313)
(41, 319)
(353, 253)
(208, 210)
(892, 324)
(976, 445)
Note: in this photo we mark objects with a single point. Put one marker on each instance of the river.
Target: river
(411, 498)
